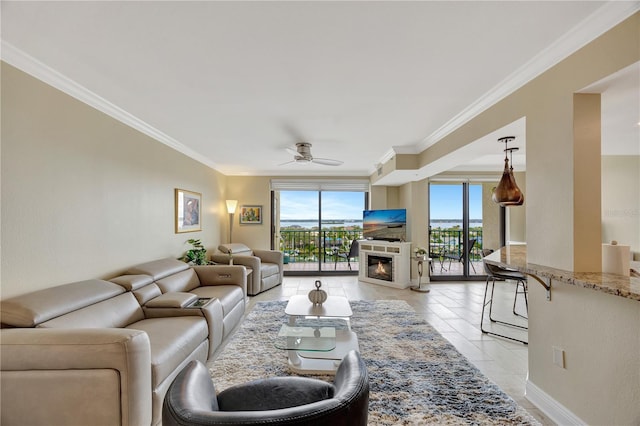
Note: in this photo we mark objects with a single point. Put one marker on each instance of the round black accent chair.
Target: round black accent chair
(191, 399)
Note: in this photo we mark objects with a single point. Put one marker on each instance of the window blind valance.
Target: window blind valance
(350, 185)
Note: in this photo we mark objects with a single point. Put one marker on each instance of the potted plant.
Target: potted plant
(421, 252)
(196, 255)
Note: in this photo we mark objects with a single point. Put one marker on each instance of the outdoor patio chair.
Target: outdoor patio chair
(460, 255)
(352, 254)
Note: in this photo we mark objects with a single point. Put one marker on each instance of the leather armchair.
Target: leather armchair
(191, 399)
(267, 265)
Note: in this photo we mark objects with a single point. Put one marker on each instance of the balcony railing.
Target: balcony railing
(451, 242)
(312, 245)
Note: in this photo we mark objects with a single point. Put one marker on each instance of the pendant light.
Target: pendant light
(507, 193)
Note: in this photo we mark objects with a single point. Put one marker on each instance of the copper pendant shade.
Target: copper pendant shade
(507, 193)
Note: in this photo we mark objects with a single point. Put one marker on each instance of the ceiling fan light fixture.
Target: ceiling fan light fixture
(302, 155)
(507, 193)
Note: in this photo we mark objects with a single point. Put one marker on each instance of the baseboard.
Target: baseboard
(557, 412)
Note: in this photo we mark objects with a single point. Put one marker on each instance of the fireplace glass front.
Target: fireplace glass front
(380, 268)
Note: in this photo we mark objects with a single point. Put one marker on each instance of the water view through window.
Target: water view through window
(455, 251)
(317, 228)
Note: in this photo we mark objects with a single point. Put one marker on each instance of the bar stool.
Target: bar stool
(497, 273)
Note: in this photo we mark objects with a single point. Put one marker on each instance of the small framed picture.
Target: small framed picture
(188, 211)
(250, 215)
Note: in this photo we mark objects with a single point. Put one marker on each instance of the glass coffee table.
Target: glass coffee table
(317, 337)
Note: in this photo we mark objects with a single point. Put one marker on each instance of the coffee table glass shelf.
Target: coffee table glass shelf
(333, 314)
(306, 338)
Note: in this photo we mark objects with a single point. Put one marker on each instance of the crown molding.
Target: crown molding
(596, 24)
(30, 65)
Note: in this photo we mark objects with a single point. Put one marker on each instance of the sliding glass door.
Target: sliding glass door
(458, 216)
(315, 230)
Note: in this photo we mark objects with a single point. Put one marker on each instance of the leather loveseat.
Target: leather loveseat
(105, 352)
(267, 265)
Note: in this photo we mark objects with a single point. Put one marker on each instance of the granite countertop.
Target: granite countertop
(515, 256)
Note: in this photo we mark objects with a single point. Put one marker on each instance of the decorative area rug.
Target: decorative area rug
(416, 376)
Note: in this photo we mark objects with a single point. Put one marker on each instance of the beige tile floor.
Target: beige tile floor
(454, 309)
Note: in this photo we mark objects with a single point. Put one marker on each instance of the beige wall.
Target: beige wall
(378, 197)
(84, 196)
(600, 337)
(621, 200)
(490, 218)
(254, 191)
(517, 216)
(414, 197)
(587, 223)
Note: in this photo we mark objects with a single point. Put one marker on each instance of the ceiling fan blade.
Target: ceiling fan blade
(288, 162)
(327, 161)
(292, 150)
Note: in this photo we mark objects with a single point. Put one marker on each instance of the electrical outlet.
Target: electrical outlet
(558, 357)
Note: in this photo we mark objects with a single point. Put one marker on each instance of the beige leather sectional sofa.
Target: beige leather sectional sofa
(102, 352)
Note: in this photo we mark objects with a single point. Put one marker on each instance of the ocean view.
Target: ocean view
(344, 223)
(310, 223)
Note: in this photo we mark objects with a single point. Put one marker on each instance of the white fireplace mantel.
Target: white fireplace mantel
(398, 252)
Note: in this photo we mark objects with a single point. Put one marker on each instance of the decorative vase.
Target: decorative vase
(318, 296)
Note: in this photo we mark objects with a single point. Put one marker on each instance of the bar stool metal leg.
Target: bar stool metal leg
(515, 298)
(490, 303)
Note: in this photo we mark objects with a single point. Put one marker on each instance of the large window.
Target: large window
(315, 225)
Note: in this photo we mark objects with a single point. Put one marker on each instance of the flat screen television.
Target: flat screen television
(386, 225)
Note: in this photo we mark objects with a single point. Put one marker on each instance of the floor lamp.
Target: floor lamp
(231, 208)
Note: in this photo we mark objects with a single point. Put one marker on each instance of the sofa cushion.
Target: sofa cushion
(159, 268)
(179, 282)
(132, 282)
(235, 248)
(117, 312)
(31, 309)
(172, 341)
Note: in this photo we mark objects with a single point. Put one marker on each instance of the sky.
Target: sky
(446, 203)
(335, 205)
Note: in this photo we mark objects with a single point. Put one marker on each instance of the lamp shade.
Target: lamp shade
(231, 206)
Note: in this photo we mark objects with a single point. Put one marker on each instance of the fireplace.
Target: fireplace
(385, 263)
(380, 268)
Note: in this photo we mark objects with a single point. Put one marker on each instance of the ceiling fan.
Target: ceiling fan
(302, 155)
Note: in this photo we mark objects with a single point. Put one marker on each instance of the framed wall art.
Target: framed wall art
(250, 215)
(188, 205)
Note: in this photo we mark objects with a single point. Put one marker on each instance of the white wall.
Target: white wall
(84, 196)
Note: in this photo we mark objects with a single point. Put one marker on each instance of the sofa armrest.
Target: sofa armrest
(36, 360)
